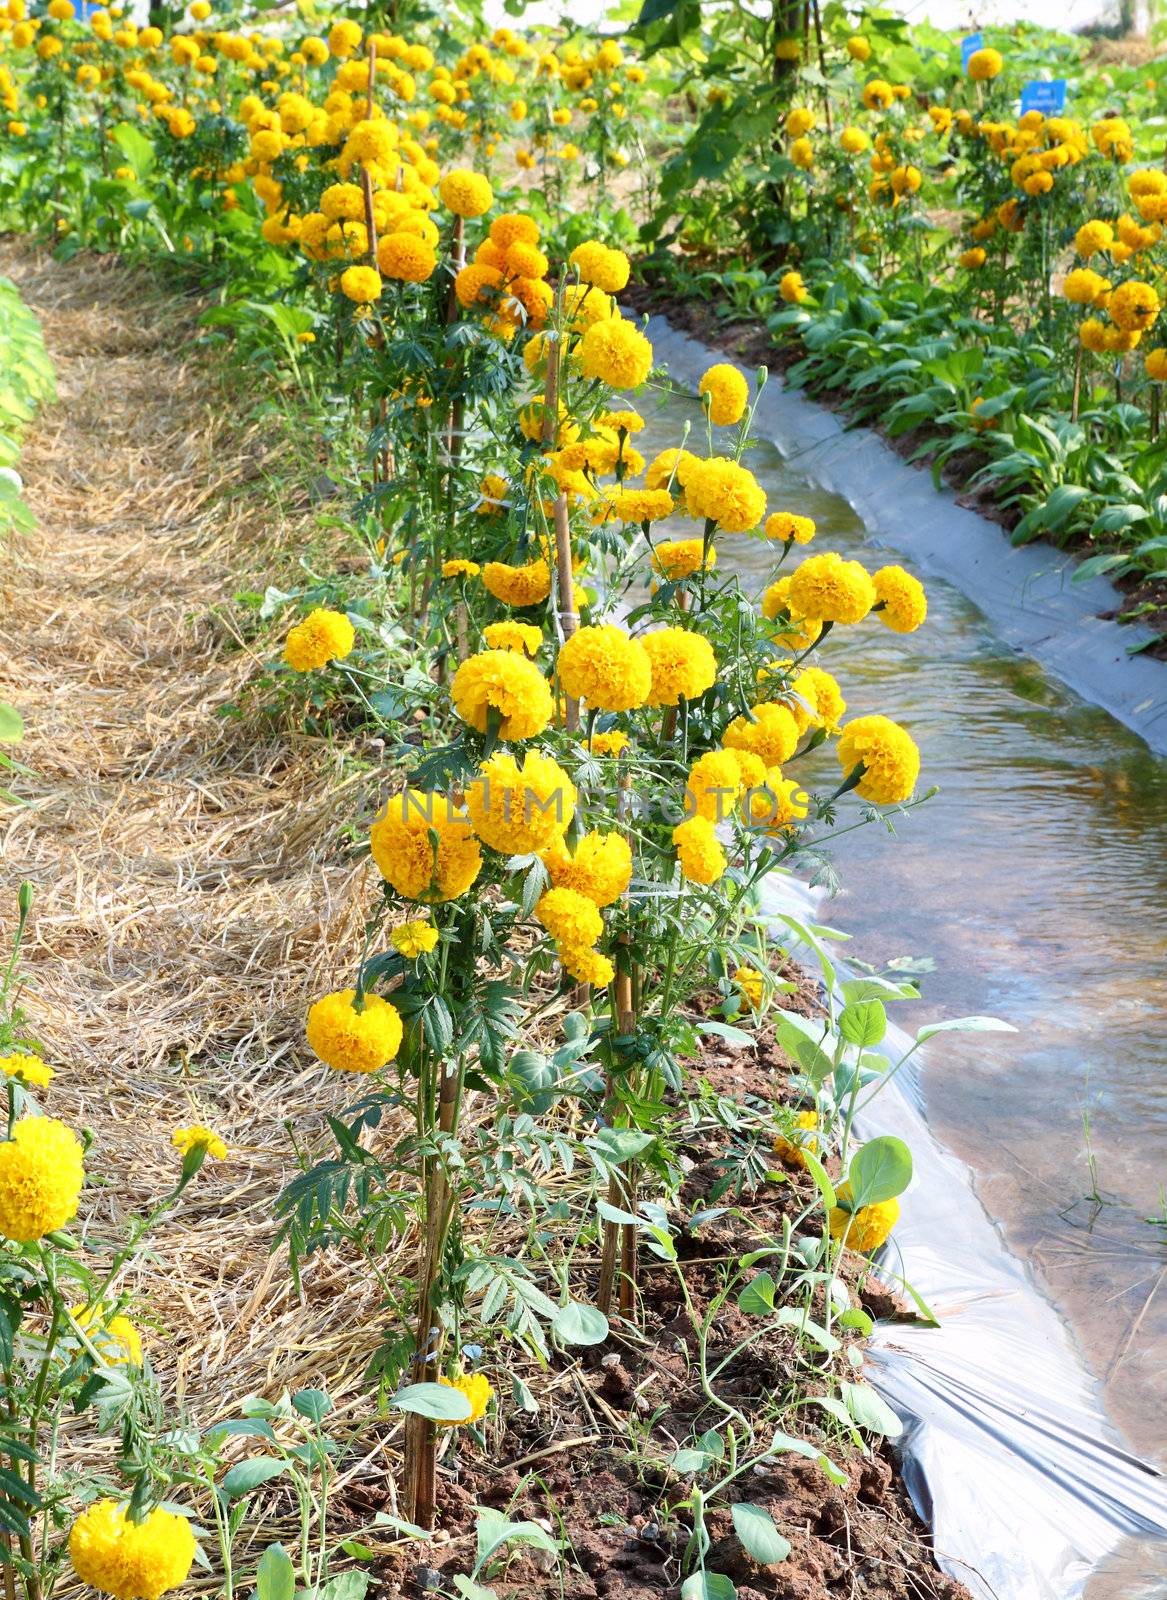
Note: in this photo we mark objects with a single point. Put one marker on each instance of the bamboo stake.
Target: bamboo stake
(1077, 384)
(565, 582)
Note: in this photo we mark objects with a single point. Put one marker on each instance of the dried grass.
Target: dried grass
(191, 896)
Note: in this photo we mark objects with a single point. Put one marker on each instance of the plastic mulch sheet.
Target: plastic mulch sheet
(1006, 1451)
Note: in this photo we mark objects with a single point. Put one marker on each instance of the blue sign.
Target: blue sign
(1046, 96)
(969, 47)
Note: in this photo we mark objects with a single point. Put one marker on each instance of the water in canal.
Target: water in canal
(1037, 882)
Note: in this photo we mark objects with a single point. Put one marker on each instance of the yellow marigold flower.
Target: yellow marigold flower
(198, 1137)
(478, 1392)
(27, 1069)
(878, 94)
(828, 697)
(628, 421)
(788, 527)
(493, 490)
(714, 784)
(616, 353)
(675, 559)
(518, 586)
(1155, 362)
(466, 193)
(323, 636)
(751, 985)
(699, 850)
(608, 744)
(775, 803)
(521, 637)
(458, 568)
(799, 120)
(600, 868)
(792, 289)
(352, 1040)
(585, 964)
(641, 505)
(1038, 183)
(115, 1337)
(360, 284)
(1092, 238)
(984, 65)
(344, 39)
(507, 685)
(866, 1229)
(683, 665)
(1092, 335)
(131, 1560)
(1084, 287)
(805, 1137)
(728, 394)
(41, 1172)
(802, 154)
(972, 259)
(570, 917)
(788, 49)
(413, 939)
(521, 810)
(600, 266)
(670, 467)
(889, 755)
(403, 257)
(477, 284)
(854, 141)
(513, 227)
(605, 667)
(900, 598)
(1134, 306)
(725, 492)
(790, 688)
(858, 48)
(404, 850)
(827, 588)
(771, 733)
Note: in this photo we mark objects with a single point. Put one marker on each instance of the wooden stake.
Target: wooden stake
(565, 581)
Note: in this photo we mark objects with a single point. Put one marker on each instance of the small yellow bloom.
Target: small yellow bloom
(198, 1137)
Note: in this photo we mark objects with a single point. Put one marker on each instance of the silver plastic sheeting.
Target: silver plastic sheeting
(1007, 1451)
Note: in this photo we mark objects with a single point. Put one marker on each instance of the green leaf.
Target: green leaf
(879, 1171)
(576, 1323)
(870, 1411)
(275, 1577)
(708, 1586)
(248, 1476)
(440, 1402)
(134, 145)
(757, 1298)
(312, 1403)
(755, 1528)
(863, 1023)
(724, 1031)
(495, 1530)
(469, 1590)
(11, 724)
(965, 1025)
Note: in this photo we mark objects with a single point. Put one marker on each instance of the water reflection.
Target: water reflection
(1037, 880)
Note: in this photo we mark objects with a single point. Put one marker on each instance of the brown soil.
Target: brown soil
(591, 1468)
(752, 343)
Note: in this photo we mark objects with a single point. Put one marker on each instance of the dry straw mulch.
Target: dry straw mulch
(192, 897)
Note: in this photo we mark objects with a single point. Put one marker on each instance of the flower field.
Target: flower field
(435, 1159)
